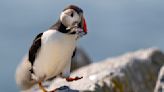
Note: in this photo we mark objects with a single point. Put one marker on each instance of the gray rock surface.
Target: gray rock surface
(160, 82)
(132, 72)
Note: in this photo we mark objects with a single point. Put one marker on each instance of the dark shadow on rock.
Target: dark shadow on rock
(66, 89)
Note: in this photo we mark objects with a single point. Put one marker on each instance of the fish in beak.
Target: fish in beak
(82, 30)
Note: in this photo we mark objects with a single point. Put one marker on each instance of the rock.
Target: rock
(132, 72)
(160, 82)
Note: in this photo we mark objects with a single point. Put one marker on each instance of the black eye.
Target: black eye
(72, 14)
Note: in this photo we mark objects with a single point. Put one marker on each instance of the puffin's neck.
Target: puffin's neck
(59, 27)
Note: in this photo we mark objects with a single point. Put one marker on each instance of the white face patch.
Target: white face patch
(67, 19)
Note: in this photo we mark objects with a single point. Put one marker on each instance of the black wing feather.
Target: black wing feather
(34, 48)
(74, 52)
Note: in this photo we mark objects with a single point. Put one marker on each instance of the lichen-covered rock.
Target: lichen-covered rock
(132, 72)
(160, 82)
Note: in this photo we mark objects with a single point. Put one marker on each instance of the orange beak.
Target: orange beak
(84, 25)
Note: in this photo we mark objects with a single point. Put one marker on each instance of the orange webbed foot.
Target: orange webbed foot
(69, 79)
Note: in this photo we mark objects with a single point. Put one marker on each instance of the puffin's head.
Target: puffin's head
(72, 18)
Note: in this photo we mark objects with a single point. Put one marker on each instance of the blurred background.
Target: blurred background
(115, 27)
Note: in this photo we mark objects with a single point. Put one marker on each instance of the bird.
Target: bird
(51, 52)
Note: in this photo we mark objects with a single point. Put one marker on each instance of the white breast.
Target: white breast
(55, 52)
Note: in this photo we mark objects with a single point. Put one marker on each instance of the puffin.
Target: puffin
(51, 52)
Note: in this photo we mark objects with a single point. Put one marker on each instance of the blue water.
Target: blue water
(115, 27)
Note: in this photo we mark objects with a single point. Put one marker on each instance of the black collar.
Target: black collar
(60, 27)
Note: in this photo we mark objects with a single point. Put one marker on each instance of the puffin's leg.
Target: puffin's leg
(39, 82)
(69, 79)
(42, 87)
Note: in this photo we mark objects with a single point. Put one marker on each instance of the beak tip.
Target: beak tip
(85, 26)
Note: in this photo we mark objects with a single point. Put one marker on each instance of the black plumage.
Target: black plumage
(34, 49)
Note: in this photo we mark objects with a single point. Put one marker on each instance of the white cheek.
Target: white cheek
(77, 18)
(65, 19)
